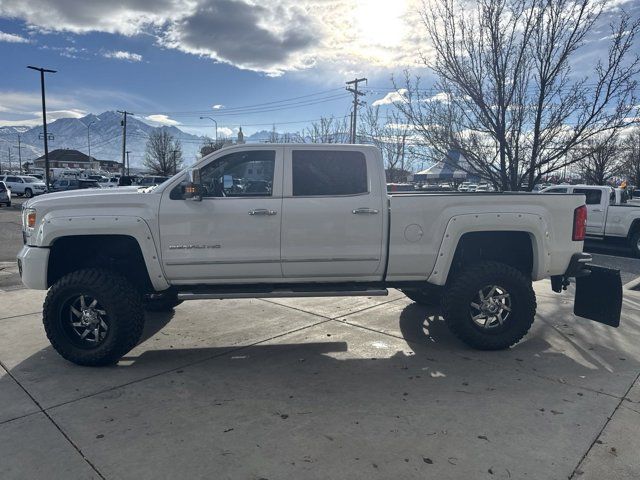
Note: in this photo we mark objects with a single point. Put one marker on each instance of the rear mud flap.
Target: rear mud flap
(599, 296)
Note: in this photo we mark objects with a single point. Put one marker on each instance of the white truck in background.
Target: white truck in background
(608, 217)
(279, 220)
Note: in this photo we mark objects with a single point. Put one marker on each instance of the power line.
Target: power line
(251, 106)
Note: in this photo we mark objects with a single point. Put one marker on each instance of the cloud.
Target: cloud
(217, 106)
(270, 38)
(12, 38)
(122, 55)
(227, 132)
(162, 120)
(392, 97)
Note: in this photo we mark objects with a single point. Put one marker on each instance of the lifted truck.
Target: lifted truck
(258, 221)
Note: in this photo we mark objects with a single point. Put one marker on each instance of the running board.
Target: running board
(289, 292)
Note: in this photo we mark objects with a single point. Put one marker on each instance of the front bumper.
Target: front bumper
(33, 263)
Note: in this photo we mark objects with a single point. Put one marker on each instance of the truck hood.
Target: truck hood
(88, 194)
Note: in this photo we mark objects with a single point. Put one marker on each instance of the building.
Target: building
(67, 158)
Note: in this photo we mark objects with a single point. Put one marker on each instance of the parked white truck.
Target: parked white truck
(608, 217)
(299, 220)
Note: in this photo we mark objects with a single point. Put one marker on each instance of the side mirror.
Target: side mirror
(193, 188)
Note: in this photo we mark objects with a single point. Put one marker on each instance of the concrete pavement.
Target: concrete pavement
(323, 388)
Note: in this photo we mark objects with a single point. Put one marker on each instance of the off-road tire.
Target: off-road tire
(123, 306)
(634, 243)
(462, 291)
(165, 303)
(426, 296)
(27, 193)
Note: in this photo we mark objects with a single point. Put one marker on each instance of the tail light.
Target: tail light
(579, 223)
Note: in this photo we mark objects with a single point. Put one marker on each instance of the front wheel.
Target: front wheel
(93, 317)
(489, 306)
(28, 193)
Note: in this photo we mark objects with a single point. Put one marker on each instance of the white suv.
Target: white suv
(24, 185)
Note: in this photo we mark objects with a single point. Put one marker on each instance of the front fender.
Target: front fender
(52, 228)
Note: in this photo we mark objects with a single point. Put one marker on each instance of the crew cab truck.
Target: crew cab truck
(609, 218)
(296, 221)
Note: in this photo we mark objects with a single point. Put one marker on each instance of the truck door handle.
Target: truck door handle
(597, 209)
(364, 211)
(262, 211)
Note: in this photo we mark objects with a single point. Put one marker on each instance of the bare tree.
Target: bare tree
(327, 130)
(631, 154)
(390, 133)
(602, 161)
(163, 155)
(508, 101)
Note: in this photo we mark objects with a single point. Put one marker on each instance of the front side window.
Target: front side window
(557, 190)
(328, 173)
(240, 174)
(593, 196)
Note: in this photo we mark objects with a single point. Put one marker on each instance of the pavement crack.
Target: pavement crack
(54, 423)
(609, 417)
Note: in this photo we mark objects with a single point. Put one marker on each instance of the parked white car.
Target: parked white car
(5, 195)
(295, 220)
(608, 217)
(24, 185)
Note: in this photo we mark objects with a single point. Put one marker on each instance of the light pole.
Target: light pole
(44, 120)
(214, 121)
(89, 139)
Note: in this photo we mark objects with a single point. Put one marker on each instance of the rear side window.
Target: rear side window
(593, 196)
(556, 190)
(328, 173)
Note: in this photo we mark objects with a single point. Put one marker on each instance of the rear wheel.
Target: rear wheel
(93, 317)
(28, 193)
(489, 306)
(635, 243)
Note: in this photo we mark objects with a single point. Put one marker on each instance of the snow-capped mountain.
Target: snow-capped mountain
(105, 133)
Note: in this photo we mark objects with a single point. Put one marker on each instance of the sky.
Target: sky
(172, 61)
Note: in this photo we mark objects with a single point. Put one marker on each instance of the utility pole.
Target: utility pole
(124, 136)
(9, 148)
(175, 163)
(356, 104)
(44, 120)
(89, 139)
(19, 147)
(128, 152)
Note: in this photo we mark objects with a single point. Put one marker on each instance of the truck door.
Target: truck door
(233, 233)
(332, 215)
(596, 209)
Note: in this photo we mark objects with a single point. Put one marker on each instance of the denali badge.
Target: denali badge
(189, 247)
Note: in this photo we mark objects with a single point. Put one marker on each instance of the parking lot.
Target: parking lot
(321, 388)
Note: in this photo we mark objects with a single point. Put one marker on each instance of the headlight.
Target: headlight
(28, 219)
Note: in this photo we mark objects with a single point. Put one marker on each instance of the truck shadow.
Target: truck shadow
(578, 354)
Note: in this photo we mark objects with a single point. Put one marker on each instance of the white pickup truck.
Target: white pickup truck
(299, 220)
(609, 218)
